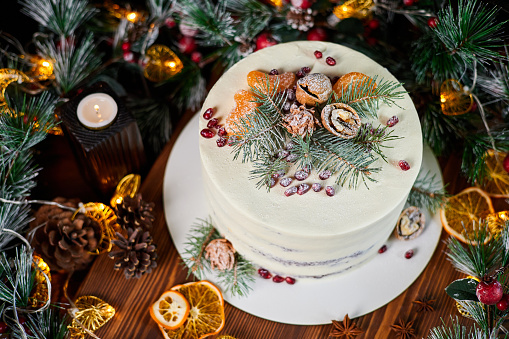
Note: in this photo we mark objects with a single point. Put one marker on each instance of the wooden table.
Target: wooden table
(131, 298)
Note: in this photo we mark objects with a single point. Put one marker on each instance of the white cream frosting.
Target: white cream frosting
(312, 235)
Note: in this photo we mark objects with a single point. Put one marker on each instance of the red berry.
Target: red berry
(373, 24)
(304, 4)
(187, 45)
(409, 254)
(408, 2)
(503, 304)
(221, 132)
(3, 327)
(403, 165)
(278, 279)
(382, 249)
(126, 46)
(212, 123)
(330, 191)
(489, 291)
(196, 57)
(330, 61)
(317, 34)
(301, 175)
(265, 40)
(221, 142)
(432, 22)
(291, 191)
(392, 121)
(290, 280)
(318, 54)
(206, 133)
(170, 23)
(306, 69)
(316, 187)
(303, 189)
(505, 163)
(128, 56)
(208, 113)
(325, 175)
(285, 182)
(274, 72)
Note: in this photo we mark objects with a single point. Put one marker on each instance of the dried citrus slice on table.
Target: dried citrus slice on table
(170, 310)
(496, 183)
(461, 215)
(206, 316)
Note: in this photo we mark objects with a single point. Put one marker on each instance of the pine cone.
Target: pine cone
(134, 213)
(65, 243)
(221, 254)
(301, 19)
(136, 255)
(300, 120)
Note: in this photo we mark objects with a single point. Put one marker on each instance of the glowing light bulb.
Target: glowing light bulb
(46, 64)
(442, 98)
(132, 16)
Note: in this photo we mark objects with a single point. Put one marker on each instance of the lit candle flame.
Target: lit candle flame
(96, 107)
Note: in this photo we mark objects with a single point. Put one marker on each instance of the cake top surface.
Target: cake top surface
(349, 209)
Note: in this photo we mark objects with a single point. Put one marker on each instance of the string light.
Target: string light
(132, 17)
(161, 63)
(455, 99)
(360, 9)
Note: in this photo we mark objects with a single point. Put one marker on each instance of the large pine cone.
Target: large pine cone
(65, 243)
(134, 213)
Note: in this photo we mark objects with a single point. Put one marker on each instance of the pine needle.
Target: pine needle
(456, 330)
(427, 193)
(48, 324)
(16, 277)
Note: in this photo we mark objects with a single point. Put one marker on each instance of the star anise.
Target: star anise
(345, 329)
(404, 329)
(424, 305)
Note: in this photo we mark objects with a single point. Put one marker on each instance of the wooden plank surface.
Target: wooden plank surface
(131, 298)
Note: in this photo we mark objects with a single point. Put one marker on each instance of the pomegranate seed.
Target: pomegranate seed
(221, 142)
(301, 175)
(409, 254)
(283, 154)
(404, 165)
(290, 280)
(206, 133)
(290, 95)
(265, 274)
(218, 126)
(325, 175)
(382, 249)
(278, 174)
(291, 191)
(392, 121)
(330, 61)
(305, 69)
(303, 189)
(278, 279)
(208, 113)
(272, 182)
(221, 132)
(299, 74)
(292, 157)
(330, 191)
(318, 54)
(307, 169)
(212, 123)
(273, 72)
(285, 182)
(316, 187)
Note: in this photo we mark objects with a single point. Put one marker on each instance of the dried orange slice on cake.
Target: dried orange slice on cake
(259, 80)
(461, 215)
(496, 183)
(206, 315)
(170, 310)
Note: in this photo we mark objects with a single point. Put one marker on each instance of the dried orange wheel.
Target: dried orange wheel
(353, 80)
(206, 316)
(170, 310)
(461, 216)
(496, 183)
(259, 80)
(244, 104)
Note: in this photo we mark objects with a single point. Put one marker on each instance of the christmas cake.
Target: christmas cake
(332, 228)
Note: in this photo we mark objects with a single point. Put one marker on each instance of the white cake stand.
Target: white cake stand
(359, 292)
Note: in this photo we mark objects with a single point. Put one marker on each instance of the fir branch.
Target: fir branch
(13, 217)
(239, 279)
(16, 277)
(496, 82)
(373, 139)
(48, 324)
(265, 168)
(480, 315)
(456, 331)
(365, 98)
(427, 193)
(160, 10)
(252, 17)
(302, 150)
(214, 23)
(73, 61)
(61, 17)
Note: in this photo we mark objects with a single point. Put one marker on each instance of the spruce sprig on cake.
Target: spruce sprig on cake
(308, 122)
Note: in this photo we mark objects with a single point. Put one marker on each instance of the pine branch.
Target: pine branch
(427, 193)
(373, 139)
(214, 23)
(456, 331)
(366, 100)
(73, 61)
(252, 17)
(238, 280)
(160, 10)
(496, 82)
(265, 168)
(13, 217)
(480, 315)
(61, 17)
(48, 324)
(16, 277)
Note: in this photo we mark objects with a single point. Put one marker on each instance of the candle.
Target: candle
(97, 111)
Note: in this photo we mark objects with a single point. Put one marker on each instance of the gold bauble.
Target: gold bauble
(40, 294)
(161, 63)
(455, 99)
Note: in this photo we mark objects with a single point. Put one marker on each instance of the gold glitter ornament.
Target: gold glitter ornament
(106, 218)
(90, 313)
(161, 63)
(455, 99)
(40, 295)
(41, 69)
(128, 186)
(497, 221)
(360, 9)
(8, 76)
